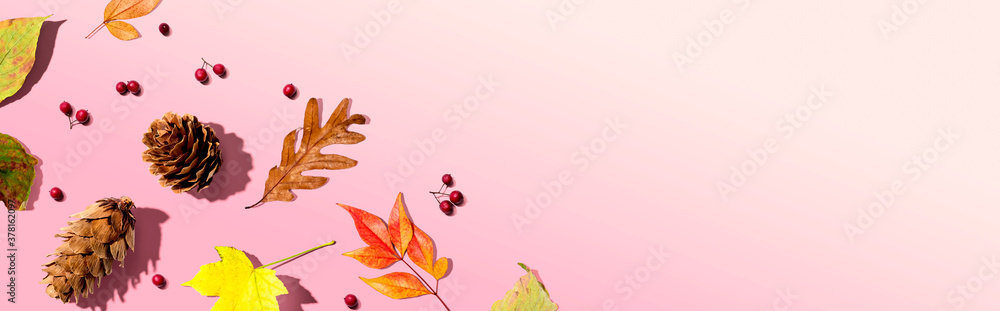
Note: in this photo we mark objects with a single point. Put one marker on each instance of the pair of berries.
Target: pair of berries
(454, 198)
(82, 116)
(202, 75)
(131, 86)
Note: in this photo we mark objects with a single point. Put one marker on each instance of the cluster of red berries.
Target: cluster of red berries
(202, 75)
(454, 198)
(130, 87)
(82, 116)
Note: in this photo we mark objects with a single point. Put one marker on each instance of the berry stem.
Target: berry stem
(95, 30)
(428, 285)
(300, 254)
(206, 63)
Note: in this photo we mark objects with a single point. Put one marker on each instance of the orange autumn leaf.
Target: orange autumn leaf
(398, 285)
(400, 227)
(422, 250)
(374, 257)
(371, 228)
(118, 10)
(388, 244)
(128, 9)
(122, 30)
(440, 268)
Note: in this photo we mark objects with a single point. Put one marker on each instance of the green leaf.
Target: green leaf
(528, 294)
(17, 173)
(18, 41)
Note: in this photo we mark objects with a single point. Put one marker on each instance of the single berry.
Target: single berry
(82, 116)
(121, 88)
(133, 87)
(219, 69)
(56, 193)
(164, 29)
(447, 207)
(446, 179)
(289, 90)
(201, 75)
(159, 281)
(351, 301)
(456, 197)
(65, 108)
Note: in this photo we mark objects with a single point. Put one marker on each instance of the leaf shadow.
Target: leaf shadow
(234, 174)
(36, 186)
(43, 56)
(297, 296)
(148, 238)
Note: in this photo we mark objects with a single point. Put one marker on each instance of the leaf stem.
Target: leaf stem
(428, 285)
(300, 254)
(95, 30)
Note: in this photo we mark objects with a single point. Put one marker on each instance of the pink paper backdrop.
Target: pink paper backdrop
(779, 155)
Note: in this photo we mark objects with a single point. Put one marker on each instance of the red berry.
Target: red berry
(456, 197)
(121, 88)
(164, 29)
(82, 116)
(56, 193)
(65, 108)
(351, 301)
(446, 179)
(219, 69)
(289, 90)
(201, 75)
(159, 281)
(133, 87)
(446, 207)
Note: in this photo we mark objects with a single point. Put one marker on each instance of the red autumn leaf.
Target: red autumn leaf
(398, 285)
(371, 228)
(422, 250)
(400, 227)
(373, 257)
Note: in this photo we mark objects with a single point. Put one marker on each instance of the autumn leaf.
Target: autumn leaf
(17, 173)
(287, 175)
(237, 284)
(388, 243)
(398, 285)
(528, 294)
(118, 10)
(18, 41)
(400, 227)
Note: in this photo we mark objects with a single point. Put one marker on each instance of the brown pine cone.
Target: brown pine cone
(91, 244)
(184, 152)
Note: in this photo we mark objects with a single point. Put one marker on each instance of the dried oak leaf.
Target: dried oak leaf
(528, 294)
(237, 283)
(118, 10)
(18, 41)
(17, 173)
(287, 175)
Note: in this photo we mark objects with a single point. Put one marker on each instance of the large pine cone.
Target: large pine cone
(184, 152)
(103, 233)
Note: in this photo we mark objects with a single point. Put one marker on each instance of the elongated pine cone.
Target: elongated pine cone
(101, 235)
(184, 152)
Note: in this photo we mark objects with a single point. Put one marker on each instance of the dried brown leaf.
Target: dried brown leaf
(286, 176)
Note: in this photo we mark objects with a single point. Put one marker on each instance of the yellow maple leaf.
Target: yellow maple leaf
(237, 284)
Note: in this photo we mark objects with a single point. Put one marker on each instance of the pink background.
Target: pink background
(652, 186)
